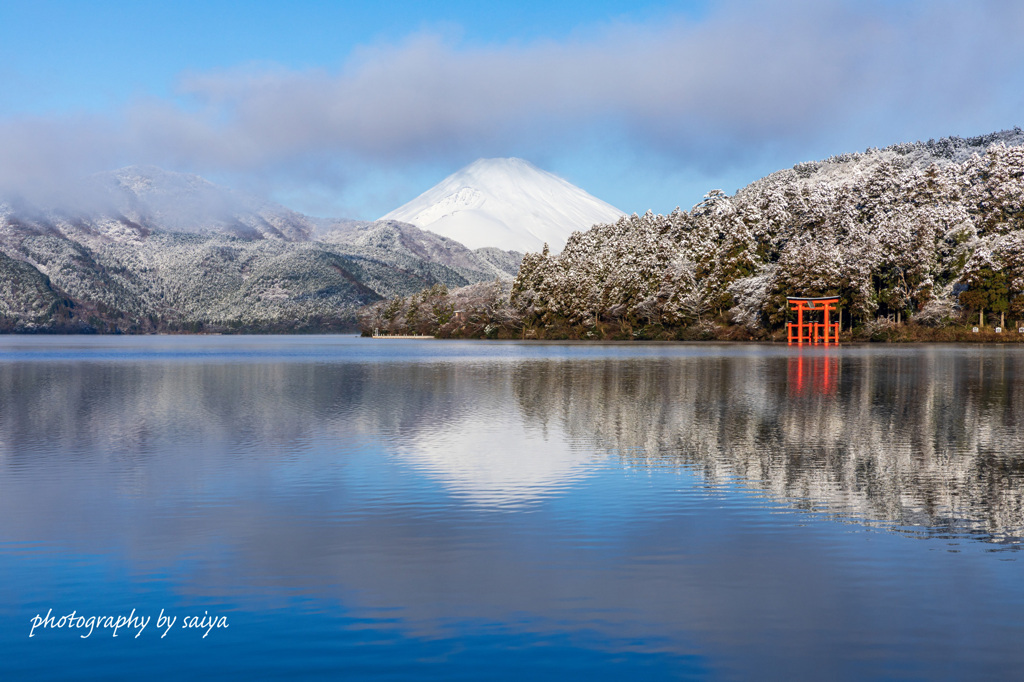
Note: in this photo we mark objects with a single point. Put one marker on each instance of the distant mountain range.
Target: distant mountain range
(143, 249)
(930, 231)
(505, 203)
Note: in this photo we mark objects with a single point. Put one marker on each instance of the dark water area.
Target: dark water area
(361, 509)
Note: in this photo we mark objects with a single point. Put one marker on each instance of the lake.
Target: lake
(335, 507)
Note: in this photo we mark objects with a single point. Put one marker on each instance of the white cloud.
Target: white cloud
(747, 77)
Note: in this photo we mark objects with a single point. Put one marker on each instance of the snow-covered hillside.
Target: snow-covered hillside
(142, 249)
(505, 203)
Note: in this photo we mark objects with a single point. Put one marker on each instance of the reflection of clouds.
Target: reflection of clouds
(494, 461)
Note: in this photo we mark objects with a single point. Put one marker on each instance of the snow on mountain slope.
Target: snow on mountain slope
(505, 203)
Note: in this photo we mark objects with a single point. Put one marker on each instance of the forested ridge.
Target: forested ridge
(926, 236)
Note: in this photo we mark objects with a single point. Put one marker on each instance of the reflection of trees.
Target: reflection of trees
(925, 438)
(922, 438)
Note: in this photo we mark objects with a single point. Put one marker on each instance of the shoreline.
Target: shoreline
(904, 334)
(718, 334)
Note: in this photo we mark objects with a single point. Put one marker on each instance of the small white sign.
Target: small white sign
(999, 330)
(974, 329)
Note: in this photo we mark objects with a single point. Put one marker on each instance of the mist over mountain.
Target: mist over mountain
(143, 249)
(505, 203)
(183, 202)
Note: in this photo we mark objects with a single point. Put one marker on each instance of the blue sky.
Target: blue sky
(351, 109)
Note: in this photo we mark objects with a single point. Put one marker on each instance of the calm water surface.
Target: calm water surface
(406, 510)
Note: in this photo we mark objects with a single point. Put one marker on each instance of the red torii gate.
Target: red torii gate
(801, 332)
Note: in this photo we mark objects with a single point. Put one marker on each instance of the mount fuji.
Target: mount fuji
(506, 203)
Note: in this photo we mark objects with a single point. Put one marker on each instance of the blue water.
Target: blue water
(387, 509)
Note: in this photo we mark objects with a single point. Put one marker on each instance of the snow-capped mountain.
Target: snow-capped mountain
(505, 203)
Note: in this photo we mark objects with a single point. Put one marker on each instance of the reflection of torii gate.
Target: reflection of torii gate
(801, 331)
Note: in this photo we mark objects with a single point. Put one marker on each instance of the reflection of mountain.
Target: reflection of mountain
(922, 439)
(494, 463)
(928, 439)
(450, 424)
